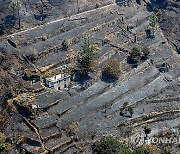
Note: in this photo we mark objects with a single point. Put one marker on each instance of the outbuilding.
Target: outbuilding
(58, 82)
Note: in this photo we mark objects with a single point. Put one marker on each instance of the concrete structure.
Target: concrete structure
(58, 82)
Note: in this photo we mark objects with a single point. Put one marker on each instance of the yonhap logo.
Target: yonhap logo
(139, 138)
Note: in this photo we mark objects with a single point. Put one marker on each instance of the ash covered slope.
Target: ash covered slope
(12, 66)
(170, 21)
(69, 124)
(35, 12)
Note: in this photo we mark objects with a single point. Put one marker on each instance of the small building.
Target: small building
(58, 82)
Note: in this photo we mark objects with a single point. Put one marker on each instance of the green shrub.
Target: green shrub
(111, 70)
(85, 61)
(110, 145)
(147, 129)
(145, 52)
(168, 150)
(135, 54)
(142, 150)
(32, 56)
(136, 51)
(4, 147)
(146, 149)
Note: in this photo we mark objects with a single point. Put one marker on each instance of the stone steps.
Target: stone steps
(154, 86)
(54, 58)
(106, 121)
(151, 118)
(55, 28)
(47, 100)
(85, 95)
(55, 144)
(45, 120)
(100, 101)
(51, 132)
(157, 101)
(77, 32)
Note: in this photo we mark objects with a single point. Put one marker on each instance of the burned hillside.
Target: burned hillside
(61, 101)
(37, 12)
(11, 68)
(170, 10)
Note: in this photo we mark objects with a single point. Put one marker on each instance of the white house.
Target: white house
(58, 82)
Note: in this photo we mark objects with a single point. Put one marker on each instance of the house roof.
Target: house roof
(58, 77)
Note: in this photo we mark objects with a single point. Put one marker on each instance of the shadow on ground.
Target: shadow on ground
(7, 23)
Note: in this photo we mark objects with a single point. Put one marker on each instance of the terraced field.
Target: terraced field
(66, 123)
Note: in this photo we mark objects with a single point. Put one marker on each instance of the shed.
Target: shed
(58, 82)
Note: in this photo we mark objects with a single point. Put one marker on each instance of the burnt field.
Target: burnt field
(38, 12)
(71, 121)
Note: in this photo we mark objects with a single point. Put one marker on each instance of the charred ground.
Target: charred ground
(37, 119)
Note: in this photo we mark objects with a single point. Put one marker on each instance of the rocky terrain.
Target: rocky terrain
(43, 120)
